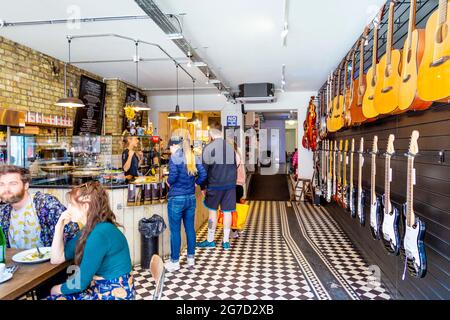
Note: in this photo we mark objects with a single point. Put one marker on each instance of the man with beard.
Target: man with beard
(28, 221)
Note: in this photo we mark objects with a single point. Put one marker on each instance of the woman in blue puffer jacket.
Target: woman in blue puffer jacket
(185, 170)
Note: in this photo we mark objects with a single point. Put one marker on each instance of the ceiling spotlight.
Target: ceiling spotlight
(189, 64)
(285, 31)
(214, 81)
(200, 64)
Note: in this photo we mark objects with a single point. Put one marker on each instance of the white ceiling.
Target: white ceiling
(242, 37)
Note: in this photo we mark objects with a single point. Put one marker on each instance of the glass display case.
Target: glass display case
(74, 160)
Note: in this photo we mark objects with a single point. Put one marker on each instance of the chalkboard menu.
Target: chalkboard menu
(137, 122)
(89, 119)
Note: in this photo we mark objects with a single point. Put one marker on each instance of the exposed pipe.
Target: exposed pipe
(134, 41)
(81, 20)
(127, 60)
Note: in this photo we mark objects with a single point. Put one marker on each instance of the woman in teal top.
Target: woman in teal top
(100, 250)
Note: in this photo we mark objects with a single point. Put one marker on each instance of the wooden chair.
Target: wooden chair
(158, 273)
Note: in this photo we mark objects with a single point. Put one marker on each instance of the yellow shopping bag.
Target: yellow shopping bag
(238, 217)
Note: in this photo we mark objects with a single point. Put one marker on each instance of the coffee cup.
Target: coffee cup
(2, 268)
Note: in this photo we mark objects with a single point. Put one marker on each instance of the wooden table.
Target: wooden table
(27, 277)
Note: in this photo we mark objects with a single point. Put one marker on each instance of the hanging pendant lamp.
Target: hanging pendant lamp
(194, 119)
(69, 101)
(137, 104)
(177, 115)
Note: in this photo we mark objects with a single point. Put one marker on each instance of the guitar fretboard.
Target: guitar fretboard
(390, 32)
(387, 183)
(372, 178)
(443, 5)
(410, 218)
(351, 169)
(412, 21)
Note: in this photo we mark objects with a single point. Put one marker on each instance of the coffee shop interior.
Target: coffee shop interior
(306, 91)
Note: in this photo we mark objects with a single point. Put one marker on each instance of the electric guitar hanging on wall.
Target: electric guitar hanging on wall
(351, 194)
(391, 216)
(344, 178)
(434, 71)
(386, 92)
(375, 203)
(359, 85)
(334, 170)
(329, 173)
(412, 55)
(372, 77)
(413, 246)
(338, 196)
(361, 194)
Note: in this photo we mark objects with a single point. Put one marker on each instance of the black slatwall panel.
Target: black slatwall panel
(432, 189)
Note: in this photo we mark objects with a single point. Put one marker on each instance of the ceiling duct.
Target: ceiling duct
(164, 22)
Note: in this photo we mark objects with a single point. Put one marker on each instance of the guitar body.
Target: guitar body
(414, 249)
(408, 99)
(368, 107)
(386, 92)
(356, 113)
(346, 198)
(434, 71)
(329, 187)
(361, 207)
(351, 202)
(390, 230)
(375, 218)
(338, 109)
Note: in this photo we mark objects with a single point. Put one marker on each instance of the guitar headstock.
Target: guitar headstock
(375, 145)
(377, 20)
(346, 146)
(413, 146)
(361, 146)
(390, 145)
(353, 145)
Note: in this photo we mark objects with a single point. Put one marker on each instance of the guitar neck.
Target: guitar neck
(344, 163)
(375, 49)
(410, 218)
(372, 178)
(390, 33)
(351, 170)
(443, 6)
(387, 183)
(412, 21)
(361, 158)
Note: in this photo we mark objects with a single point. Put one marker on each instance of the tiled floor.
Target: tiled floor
(266, 263)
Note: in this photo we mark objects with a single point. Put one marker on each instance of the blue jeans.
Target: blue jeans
(181, 208)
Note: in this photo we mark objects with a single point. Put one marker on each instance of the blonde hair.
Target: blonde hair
(188, 153)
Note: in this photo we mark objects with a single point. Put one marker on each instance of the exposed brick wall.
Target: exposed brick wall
(33, 81)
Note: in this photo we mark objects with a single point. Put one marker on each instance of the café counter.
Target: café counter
(128, 215)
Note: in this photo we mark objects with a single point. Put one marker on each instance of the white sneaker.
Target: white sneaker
(172, 266)
(191, 262)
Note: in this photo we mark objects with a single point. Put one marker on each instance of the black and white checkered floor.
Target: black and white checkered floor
(266, 263)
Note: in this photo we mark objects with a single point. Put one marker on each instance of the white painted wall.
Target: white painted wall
(212, 102)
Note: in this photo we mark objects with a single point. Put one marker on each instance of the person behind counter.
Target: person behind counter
(131, 160)
(184, 172)
(28, 220)
(100, 249)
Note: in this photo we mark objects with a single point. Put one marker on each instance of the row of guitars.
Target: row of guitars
(384, 216)
(400, 81)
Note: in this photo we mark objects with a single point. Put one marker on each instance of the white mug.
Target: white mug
(2, 268)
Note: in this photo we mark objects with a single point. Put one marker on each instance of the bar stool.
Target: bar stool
(158, 273)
